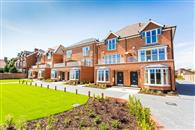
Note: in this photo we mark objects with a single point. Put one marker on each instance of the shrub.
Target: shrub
(9, 122)
(21, 125)
(104, 126)
(1, 70)
(67, 122)
(12, 69)
(115, 124)
(97, 120)
(142, 114)
(92, 114)
(179, 77)
(83, 123)
(38, 126)
(50, 123)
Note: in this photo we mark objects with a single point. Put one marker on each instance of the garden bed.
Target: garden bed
(97, 114)
(158, 92)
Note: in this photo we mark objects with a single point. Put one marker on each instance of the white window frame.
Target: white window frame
(73, 73)
(68, 53)
(104, 75)
(161, 74)
(86, 51)
(139, 54)
(112, 59)
(110, 41)
(150, 31)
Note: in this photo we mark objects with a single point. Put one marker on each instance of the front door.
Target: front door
(119, 78)
(134, 78)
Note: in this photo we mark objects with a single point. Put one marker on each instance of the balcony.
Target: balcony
(102, 61)
(44, 66)
(73, 63)
(58, 65)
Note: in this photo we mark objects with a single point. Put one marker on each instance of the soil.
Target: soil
(91, 116)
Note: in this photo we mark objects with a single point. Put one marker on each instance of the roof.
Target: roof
(130, 30)
(2, 63)
(55, 48)
(83, 42)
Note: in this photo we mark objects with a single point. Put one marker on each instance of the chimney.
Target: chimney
(140, 24)
(150, 19)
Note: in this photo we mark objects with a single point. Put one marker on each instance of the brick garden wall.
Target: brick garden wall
(13, 75)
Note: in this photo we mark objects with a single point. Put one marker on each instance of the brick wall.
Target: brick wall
(13, 75)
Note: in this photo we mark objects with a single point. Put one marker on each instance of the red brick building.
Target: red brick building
(138, 55)
(45, 61)
(77, 62)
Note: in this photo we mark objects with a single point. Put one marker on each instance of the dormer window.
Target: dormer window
(69, 54)
(111, 44)
(151, 36)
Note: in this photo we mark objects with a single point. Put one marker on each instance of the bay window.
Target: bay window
(152, 54)
(74, 74)
(156, 76)
(102, 75)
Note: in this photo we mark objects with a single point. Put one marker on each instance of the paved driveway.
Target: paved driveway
(174, 112)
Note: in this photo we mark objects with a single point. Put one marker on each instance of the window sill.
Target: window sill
(103, 81)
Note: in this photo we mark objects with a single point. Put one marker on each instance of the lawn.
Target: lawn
(14, 80)
(26, 102)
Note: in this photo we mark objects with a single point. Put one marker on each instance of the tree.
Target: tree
(10, 66)
(12, 69)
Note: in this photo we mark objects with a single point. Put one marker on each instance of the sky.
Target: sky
(43, 24)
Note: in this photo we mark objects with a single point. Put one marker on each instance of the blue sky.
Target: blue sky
(43, 24)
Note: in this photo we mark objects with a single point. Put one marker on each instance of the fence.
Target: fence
(13, 75)
(190, 77)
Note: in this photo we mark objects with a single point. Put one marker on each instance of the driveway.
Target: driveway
(174, 112)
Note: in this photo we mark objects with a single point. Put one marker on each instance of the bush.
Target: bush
(1, 70)
(115, 124)
(179, 77)
(142, 114)
(21, 125)
(104, 126)
(9, 122)
(92, 85)
(97, 120)
(67, 122)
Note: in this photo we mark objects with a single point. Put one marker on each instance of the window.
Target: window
(152, 54)
(102, 75)
(29, 73)
(111, 44)
(151, 35)
(112, 59)
(74, 74)
(87, 62)
(86, 51)
(69, 54)
(40, 74)
(156, 76)
(54, 74)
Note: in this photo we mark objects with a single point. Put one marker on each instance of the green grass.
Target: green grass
(26, 102)
(14, 80)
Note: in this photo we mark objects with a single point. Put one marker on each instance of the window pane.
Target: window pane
(152, 76)
(148, 34)
(154, 39)
(158, 76)
(154, 33)
(148, 55)
(146, 76)
(158, 31)
(142, 55)
(154, 54)
(148, 39)
(162, 54)
(165, 76)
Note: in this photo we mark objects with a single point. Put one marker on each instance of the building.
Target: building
(25, 59)
(45, 61)
(77, 62)
(137, 55)
(2, 63)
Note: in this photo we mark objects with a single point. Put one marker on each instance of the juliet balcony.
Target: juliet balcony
(59, 65)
